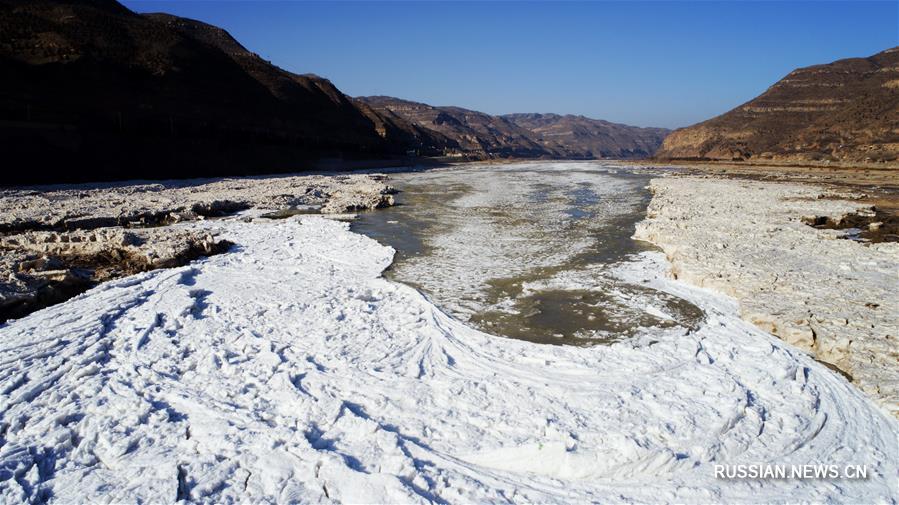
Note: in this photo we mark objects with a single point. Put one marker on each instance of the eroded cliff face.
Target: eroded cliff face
(463, 131)
(846, 111)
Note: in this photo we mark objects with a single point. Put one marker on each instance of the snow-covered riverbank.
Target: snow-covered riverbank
(289, 370)
(56, 241)
(836, 298)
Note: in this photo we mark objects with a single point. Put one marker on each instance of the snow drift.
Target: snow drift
(289, 370)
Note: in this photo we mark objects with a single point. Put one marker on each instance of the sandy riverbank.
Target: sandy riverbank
(833, 297)
(874, 176)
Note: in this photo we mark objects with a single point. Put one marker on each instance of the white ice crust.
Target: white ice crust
(290, 370)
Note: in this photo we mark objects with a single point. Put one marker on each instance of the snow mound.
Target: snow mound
(289, 370)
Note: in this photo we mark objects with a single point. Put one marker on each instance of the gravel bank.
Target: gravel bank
(835, 298)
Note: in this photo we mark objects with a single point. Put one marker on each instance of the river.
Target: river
(527, 250)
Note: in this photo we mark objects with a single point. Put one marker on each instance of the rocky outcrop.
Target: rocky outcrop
(830, 296)
(350, 200)
(846, 111)
(466, 132)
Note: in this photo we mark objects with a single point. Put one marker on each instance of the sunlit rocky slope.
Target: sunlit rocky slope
(845, 111)
(571, 136)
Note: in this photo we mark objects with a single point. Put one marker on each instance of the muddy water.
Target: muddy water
(526, 250)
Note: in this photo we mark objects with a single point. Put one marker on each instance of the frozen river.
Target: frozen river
(525, 250)
(290, 370)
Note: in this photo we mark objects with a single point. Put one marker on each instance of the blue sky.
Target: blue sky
(660, 63)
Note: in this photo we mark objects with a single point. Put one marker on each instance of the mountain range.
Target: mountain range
(94, 91)
(581, 137)
(523, 135)
(846, 111)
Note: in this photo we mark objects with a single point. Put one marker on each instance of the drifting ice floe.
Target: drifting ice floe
(289, 370)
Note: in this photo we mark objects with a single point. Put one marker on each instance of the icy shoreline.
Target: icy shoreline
(289, 370)
(57, 241)
(835, 298)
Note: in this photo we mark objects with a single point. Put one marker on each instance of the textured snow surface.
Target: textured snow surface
(289, 370)
(838, 299)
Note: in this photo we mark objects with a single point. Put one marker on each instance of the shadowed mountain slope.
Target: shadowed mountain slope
(93, 91)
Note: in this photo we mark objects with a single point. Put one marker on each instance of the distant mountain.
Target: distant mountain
(581, 137)
(845, 111)
(466, 131)
(523, 135)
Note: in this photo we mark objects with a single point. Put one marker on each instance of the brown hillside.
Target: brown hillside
(475, 133)
(846, 111)
(469, 132)
(582, 137)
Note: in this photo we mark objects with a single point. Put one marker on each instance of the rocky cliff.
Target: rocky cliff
(465, 131)
(846, 111)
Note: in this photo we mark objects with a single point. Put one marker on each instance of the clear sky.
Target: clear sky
(643, 63)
